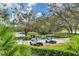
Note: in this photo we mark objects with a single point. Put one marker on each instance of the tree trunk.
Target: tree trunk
(25, 30)
(75, 29)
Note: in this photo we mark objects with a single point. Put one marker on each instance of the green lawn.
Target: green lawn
(52, 46)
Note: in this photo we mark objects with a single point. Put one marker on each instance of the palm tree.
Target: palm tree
(7, 41)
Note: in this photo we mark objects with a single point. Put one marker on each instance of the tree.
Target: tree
(7, 41)
(3, 13)
(66, 13)
(23, 16)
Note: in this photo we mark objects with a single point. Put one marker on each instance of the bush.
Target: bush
(28, 37)
(51, 52)
(43, 37)
(63, 35)
(32, 33)
(73, 45)
(60, 35)
(19, 38)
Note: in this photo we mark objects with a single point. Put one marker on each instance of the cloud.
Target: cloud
(39, 14)
(30, 6)
(9, 5)
(29, 9)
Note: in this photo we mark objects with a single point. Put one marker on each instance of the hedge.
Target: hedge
(28, 37)
(25, 50)
(63, 35)
(51, 52)
(32, 33)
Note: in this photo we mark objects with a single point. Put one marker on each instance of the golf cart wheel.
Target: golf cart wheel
(41, 44)
(38, 44)
(54, 42)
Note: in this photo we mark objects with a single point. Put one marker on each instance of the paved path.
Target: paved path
(20, 34)
(58, 40)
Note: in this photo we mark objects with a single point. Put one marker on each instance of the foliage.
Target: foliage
(32, 33)
(73, 45)
(70, 48)
(8, 46)
(67, 15)
(4, 14)
(51, 52)
(43, 37)
(7, 41)
(28, 37)
(18, 29)
(60, 17)
(63, 35)
(41, 25)
(18, 38)
(23, 50)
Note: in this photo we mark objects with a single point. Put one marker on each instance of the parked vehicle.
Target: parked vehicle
(50, 40)
(36, 42)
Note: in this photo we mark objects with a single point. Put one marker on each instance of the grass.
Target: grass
(64, 31)
(52, 46)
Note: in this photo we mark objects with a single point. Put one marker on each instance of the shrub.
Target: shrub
(60, 35)
(28, 37)
(32, 33)
(63, 35)
(18, 38)
(43, 32)
(43, 37)
(73, 45)
(51, 52)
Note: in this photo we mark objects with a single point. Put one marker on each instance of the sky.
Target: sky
(40, 7)
(37, 8)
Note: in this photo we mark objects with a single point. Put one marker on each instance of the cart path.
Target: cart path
(58, 40)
